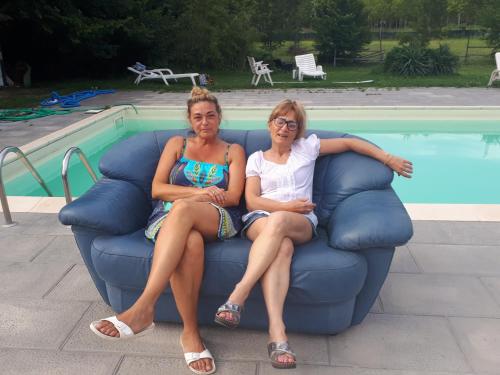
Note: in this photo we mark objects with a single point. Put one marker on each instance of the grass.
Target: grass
(474, 73)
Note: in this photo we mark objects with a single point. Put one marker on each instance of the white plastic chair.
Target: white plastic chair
(495, 75)
(163, 74)
(259, 69)
(306, 66)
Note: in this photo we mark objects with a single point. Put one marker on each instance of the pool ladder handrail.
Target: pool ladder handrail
(3, 196)
(65, 166)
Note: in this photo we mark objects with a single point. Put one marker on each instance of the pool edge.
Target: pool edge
(417, 211)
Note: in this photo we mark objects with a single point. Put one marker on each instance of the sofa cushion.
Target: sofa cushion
(317, 270)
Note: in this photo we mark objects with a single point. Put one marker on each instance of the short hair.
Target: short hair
(198, 95)
(288, 105)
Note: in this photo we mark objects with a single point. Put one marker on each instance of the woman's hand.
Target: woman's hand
(301, 206)
(214, 194)
(399, 165)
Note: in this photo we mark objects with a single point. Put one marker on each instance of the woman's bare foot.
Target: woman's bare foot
(237, 297)
(277, 334)
(137, 319)
(192, 342)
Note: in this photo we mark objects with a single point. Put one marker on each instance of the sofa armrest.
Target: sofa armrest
(110, 206)
(370, 219)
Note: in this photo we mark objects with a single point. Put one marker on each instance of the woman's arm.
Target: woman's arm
(256, 202)
(161, 189)
(237, 162)
(337, 145)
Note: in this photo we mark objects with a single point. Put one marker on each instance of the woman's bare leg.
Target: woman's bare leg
(275, 283)
(185, 284)
(169, 248)
(268, 234)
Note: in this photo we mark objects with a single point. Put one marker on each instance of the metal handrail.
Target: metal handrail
(65, 166)
(3, 196)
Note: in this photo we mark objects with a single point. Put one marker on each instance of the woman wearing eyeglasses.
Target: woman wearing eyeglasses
(278, 195)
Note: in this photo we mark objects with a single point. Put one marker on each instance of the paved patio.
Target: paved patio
(438, 312)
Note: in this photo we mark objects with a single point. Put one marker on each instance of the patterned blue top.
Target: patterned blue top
(188, 172)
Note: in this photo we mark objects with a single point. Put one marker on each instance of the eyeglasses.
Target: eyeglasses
(290, 124)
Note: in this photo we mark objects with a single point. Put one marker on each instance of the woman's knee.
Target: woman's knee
(181, 208)
(278, 222)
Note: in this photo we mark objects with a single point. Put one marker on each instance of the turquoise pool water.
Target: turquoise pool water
(454, 161)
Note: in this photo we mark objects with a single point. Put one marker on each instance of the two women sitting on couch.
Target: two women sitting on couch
(198, 185)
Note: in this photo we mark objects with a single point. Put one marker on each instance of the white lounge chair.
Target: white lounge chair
(163, 74)
(306, 66)
(259, 69)
(495, 75)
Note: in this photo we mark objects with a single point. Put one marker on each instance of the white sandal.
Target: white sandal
(191, 357)
(123, 329)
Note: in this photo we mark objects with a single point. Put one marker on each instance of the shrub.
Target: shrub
(444, 62)
(416, 60)
(408, 60)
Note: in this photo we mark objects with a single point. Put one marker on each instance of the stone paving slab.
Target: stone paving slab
(403, 261)
(15, 248)
(26, 362)
(163, 341)
(30, 280)
(456, 232)
(37, 324)
(77, 285)
(35, 224)
(399, 342)
(62, 250)
(493, 285)
(251, 345)
(480, 341)
(23, 132)
(457, 259)
(377, 307)
(463, 296)
(267, 369)
(161, 366)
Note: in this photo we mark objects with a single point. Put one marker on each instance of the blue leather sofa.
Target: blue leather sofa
(335, 278)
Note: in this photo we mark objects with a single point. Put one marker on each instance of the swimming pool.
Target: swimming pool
(455, 151)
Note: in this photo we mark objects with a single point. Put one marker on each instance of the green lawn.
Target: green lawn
(474, 73)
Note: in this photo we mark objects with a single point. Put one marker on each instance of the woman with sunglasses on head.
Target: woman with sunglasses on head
(278, 195)
(198, 184)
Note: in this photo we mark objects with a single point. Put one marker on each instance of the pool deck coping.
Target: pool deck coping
(417, 211)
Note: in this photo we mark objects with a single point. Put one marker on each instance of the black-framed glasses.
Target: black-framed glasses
(290, 124)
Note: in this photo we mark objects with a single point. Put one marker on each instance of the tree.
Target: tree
(280, 20)
(489, 18)
(427, 18)
(341, 27)
(63, 38)
(216, 35)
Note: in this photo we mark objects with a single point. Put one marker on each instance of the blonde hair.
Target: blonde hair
(286, 106)
(198, 95)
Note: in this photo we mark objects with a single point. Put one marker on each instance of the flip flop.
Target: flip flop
(191, 357)
(275, 349)
(124, 330)
(235, 311)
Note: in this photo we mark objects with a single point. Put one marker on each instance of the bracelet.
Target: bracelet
(388, 158)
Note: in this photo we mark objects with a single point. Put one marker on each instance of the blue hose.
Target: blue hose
(72, 100)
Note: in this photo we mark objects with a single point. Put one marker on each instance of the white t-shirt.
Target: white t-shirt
(289, 181)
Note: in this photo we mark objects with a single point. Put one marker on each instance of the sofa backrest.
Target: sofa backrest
(336, 177)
